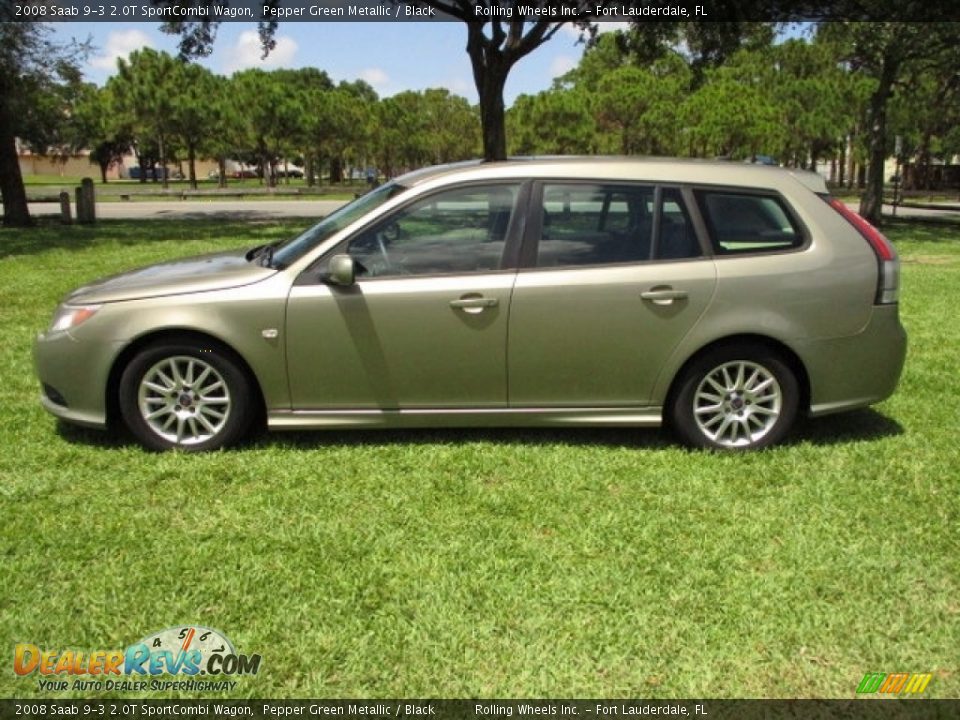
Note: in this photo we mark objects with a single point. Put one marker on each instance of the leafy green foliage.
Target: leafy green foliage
(96, 124)
(554, 122)
(423, 128)
(642, 107)
(146, 88)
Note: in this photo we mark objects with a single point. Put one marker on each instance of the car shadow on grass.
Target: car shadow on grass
(79, 435)
(857, 426)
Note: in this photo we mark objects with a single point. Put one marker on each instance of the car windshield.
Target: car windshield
(294, 249)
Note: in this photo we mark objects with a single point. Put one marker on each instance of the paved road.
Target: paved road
(906, 212)
(274, 209)
(189, 209)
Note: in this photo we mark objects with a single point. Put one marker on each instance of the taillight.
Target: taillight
(888, 282)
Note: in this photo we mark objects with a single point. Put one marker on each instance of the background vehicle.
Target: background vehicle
(723, 299)
(292, 172)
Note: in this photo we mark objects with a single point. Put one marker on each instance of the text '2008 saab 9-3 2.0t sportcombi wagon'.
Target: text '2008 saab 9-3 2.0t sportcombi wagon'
(720, 298)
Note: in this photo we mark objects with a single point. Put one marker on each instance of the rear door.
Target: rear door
(613, 276)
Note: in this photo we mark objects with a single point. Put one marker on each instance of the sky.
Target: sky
(391, 57)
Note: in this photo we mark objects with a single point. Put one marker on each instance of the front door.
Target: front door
(425, 324)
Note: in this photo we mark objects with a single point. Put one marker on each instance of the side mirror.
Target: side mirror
(341, 270)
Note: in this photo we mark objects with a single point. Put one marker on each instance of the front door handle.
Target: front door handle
(474, 304)
(663, 295)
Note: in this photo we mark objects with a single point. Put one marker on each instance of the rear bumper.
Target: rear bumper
(859, 370)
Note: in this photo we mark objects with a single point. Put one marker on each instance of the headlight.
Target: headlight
(68, 317)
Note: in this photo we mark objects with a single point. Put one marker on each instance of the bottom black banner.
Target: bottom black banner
(874, 709)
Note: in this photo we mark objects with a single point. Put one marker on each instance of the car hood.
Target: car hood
(197, 274)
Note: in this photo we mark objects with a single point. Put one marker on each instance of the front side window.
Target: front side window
(747, 223)
(299, 246)
(462, 230)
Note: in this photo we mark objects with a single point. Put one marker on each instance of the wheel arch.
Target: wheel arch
(170, 335)
(784, 351)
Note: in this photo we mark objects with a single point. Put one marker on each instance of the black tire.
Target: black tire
(746, 416)
(197, 416)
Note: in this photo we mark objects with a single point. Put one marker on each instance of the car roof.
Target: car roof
(654, 169)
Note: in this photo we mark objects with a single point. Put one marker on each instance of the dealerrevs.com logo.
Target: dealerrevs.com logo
(182, 652)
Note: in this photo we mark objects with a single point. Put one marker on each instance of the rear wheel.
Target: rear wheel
(185, 396)
(739, 397)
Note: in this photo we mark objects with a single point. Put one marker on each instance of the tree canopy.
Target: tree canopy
(836, 95)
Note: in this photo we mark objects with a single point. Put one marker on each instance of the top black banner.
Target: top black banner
(572, 11)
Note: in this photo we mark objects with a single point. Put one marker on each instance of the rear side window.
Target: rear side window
(677, 237)
(748, 223)
(595, 225)
(599, 224)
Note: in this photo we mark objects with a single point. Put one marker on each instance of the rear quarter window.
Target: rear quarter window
(741, 223)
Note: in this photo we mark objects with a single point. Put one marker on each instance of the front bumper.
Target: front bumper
(78, 372)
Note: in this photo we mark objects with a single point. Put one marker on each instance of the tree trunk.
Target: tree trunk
(104, 166)
(490, 75)
(163, 163)
(492, 115)
(16, 213)
(871, 204)
(842, 163)
(192, 166)
(923, 180)
(222, 172)
(143, 170)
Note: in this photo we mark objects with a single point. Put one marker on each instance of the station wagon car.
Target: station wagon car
(723, 299)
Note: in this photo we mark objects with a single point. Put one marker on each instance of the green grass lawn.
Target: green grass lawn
(577, 563)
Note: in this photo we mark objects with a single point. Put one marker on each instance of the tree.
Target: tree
(926, 114)
(886, 52)
(707, 45)
(33, 70)
(451, 125)
(814, 95)
(640, 107)
(731, 117)
(271, 115)
(97, 126)
(401, 140)
(494, 47)
(556, 121)
(145, 87)
(225, 132)
(352, 121)
(194, 112)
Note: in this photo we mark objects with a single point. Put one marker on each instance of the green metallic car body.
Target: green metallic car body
(724, 298)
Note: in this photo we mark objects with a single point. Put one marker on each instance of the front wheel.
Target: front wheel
(184, 396)
(735, 398)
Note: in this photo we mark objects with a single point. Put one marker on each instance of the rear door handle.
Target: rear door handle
(663, 296)
(474, 304)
